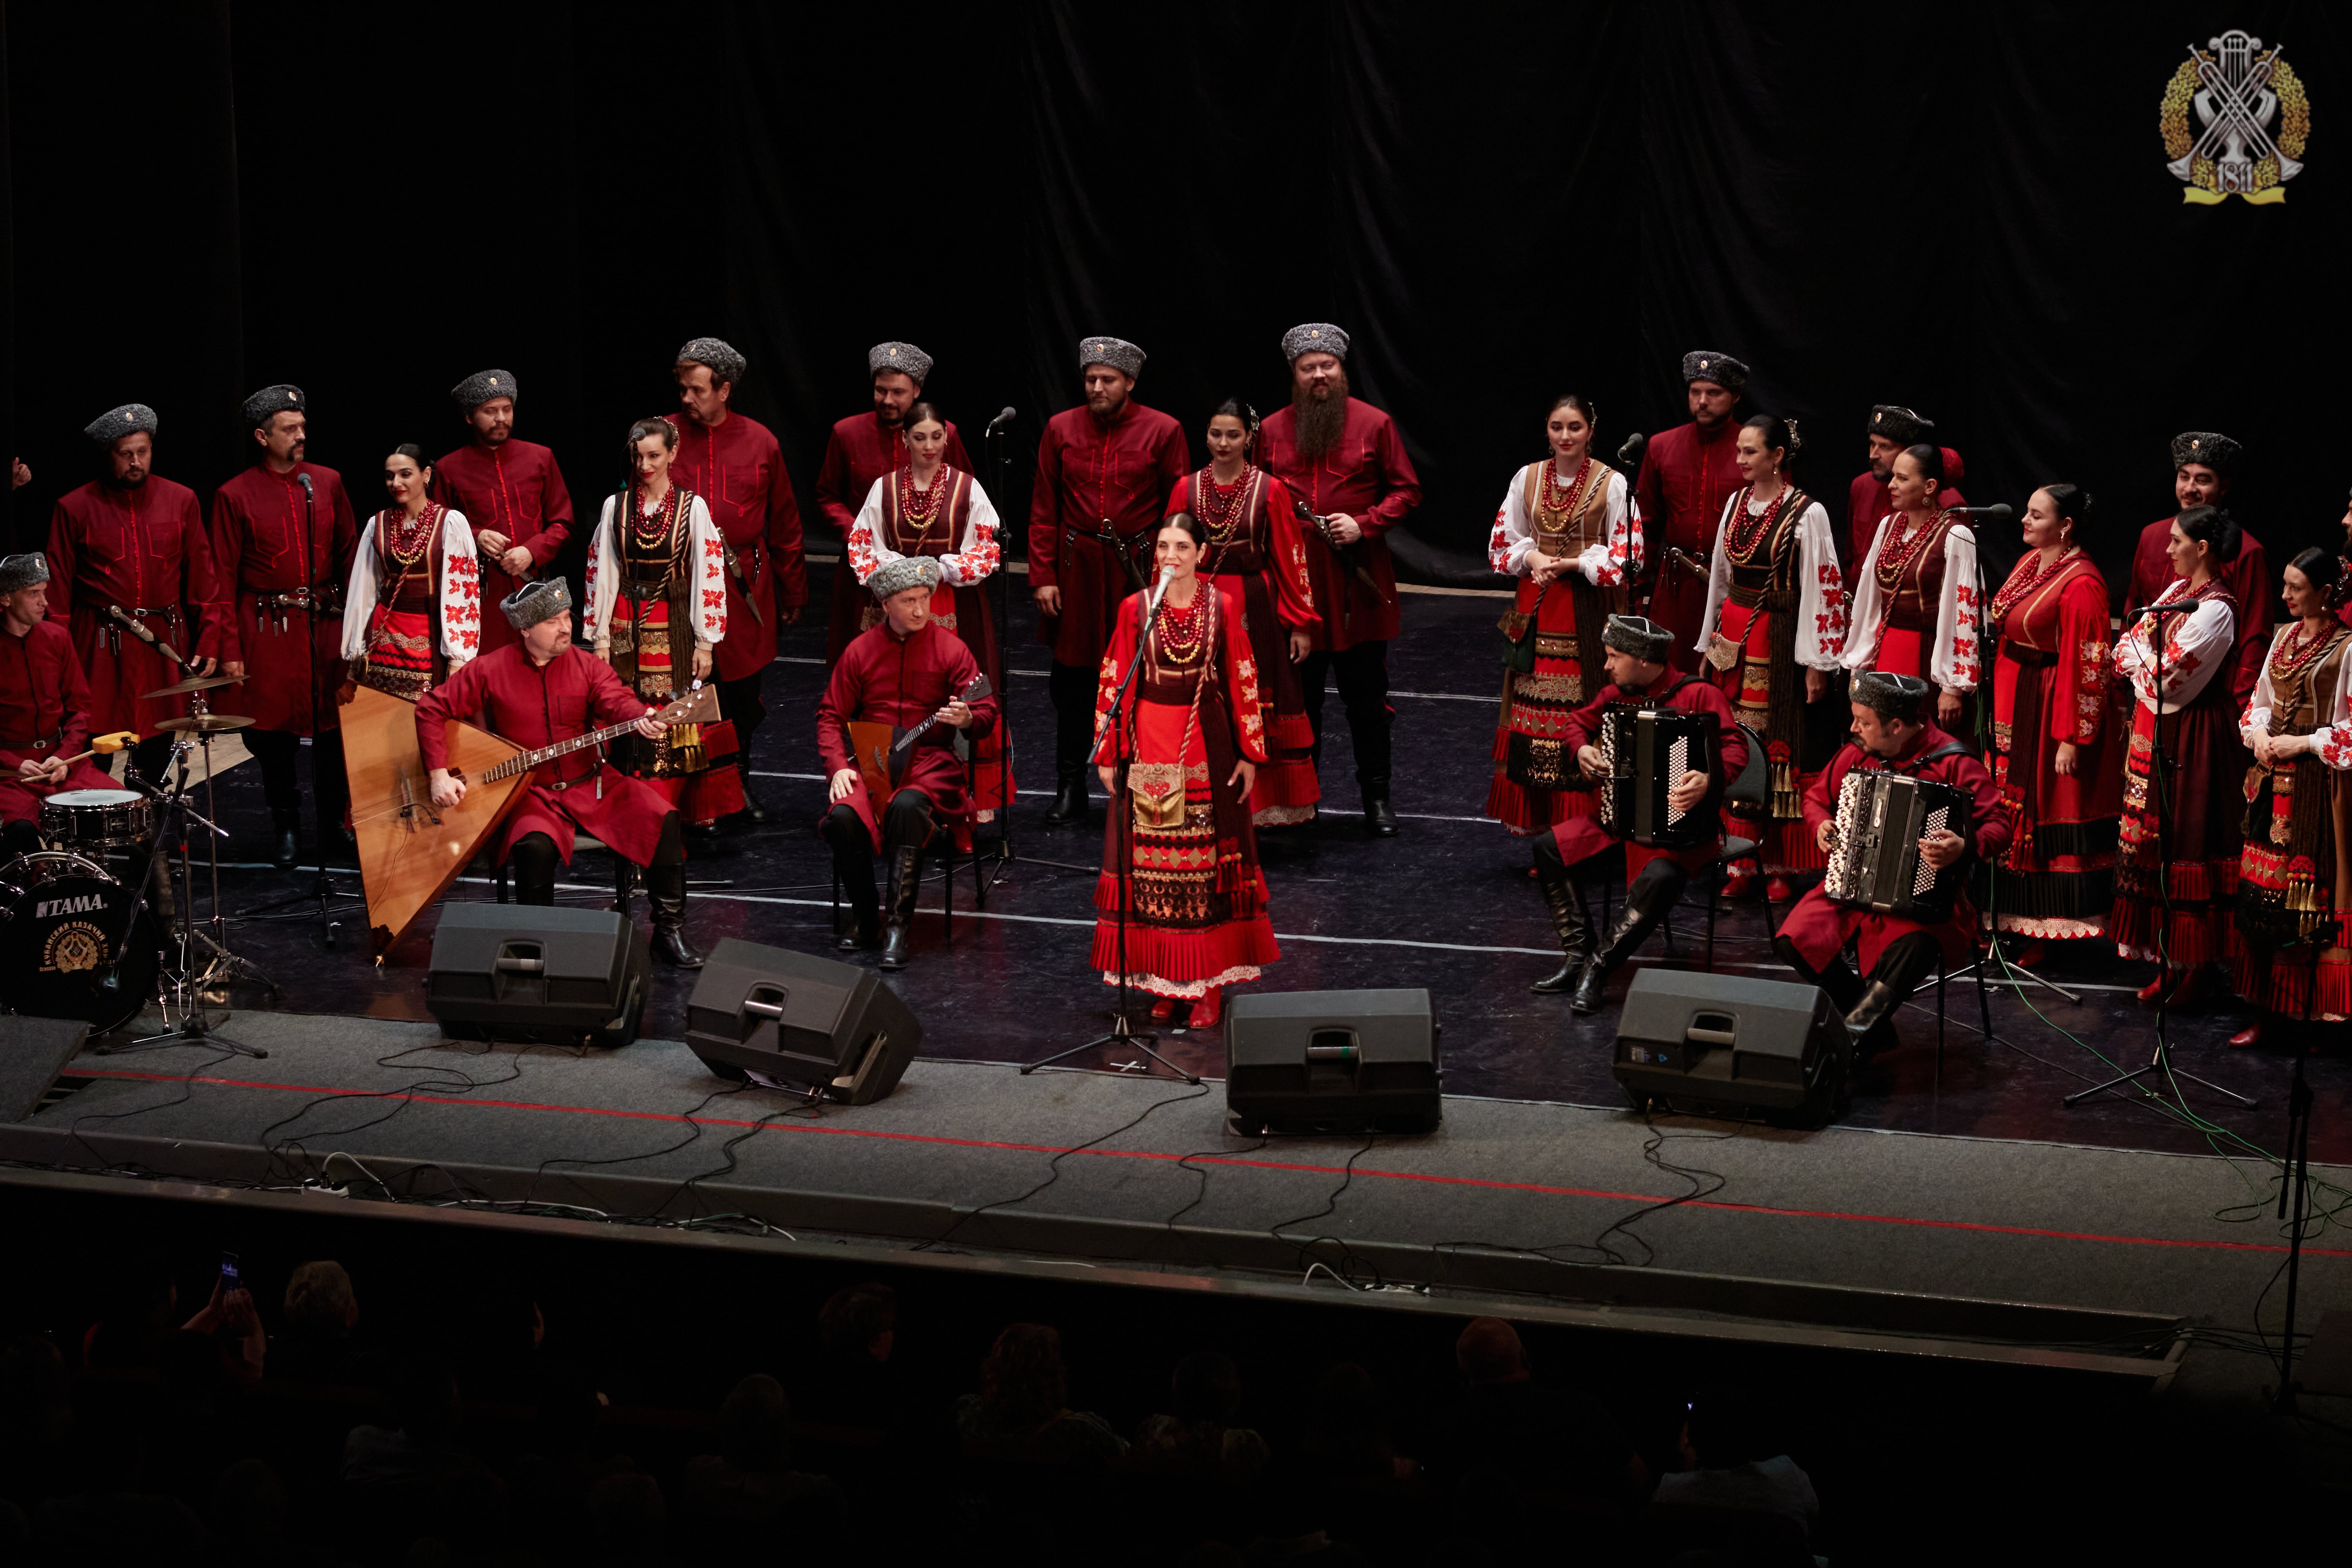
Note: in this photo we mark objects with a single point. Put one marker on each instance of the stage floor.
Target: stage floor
(1446, 905)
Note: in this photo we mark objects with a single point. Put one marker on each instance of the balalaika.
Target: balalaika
(1643, 751)
(1874, 861)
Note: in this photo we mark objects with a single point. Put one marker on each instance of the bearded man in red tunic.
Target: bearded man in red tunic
(861, 449)
(510, 491)
(44, 706)
(283, 536)
(1345, 461)
(1893, 732)
(908, 670)
(1687, 474)
(539, 690)
(1105, 471)
(2204, 464)
(733, 463)
(1891, 429)
(134, 540)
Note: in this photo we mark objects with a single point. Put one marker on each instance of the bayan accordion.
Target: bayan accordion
(1874, 861)
(1643, 751)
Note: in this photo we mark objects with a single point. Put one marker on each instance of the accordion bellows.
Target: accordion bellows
(1874, 861)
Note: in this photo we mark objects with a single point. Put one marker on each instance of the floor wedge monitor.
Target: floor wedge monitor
(1726, 1045)
(1331, 1061)
(537, 973)
(829, 1029)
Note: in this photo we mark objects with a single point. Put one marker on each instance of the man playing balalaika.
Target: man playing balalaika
(1638, 653)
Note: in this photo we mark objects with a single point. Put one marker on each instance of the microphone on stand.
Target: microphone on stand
(1998, 511)
(1002, 420)
(307, 493)
(1167, 575)
(1630, 454)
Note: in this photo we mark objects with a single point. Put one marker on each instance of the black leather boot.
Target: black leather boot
(1569, 923)
(666, 891)
(864, 930)
(287, 823)
(625, 885)
(755, 810)
(1871, 1022)
(1842, 985)
(1069, 796)
(1653, 893)
(906, 880)
(1379, 815)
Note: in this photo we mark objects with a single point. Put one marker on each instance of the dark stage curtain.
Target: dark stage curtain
(1961, 208)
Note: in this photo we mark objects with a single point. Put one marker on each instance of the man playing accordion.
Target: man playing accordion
(1893, 732)
(1637, 652)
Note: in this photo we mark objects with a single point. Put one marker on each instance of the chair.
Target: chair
(947, 859)
(1984, 1003)
(1751, 789)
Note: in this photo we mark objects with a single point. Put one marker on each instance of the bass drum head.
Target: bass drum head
(61, 918)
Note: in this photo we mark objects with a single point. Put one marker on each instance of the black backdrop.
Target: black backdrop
(1962, 208)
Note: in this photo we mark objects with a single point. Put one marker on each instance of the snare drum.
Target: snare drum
(62, 920)
(96, 820)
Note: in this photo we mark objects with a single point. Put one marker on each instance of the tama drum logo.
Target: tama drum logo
(73, 947)
(2235, 119)
(80, 906)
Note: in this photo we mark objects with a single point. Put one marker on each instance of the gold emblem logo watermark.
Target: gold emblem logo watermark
(2235, 120)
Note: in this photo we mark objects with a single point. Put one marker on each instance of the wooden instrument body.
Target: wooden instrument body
(411, 850)
(881, 752)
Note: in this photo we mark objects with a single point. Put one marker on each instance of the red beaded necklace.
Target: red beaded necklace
(1183, 633)
(649, 528)
(2297, 649)
(1750, 529)
(1903, 549)
(408, 538)
(2028, 575)
(1219, 507)
(921, 506)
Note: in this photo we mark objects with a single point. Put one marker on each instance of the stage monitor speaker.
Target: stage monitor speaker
(828, 1027)
(33, 1051)
(539, 974)
(1726, 1045)
(1332, 1061)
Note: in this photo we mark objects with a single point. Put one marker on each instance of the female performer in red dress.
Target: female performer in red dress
(2053, 729)
(1775, 604)
(2294, 877)
(1196, 899)
(2192, 801)
(1915, 598)
(413, 610)
(1257, 554)
(1565, 532)
(928, 507)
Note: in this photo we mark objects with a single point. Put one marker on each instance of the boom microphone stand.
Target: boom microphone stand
(1121, 1034)
(2161, 1058)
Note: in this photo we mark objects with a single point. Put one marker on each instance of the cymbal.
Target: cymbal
(205, 723)
(193, 683)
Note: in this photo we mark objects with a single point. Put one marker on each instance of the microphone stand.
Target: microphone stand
(1121, 1034)
(2161, 1058)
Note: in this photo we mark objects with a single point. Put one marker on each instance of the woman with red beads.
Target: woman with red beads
(2288, 941)
(2053, 753)
(2177, 851)
(1775, 607)
(1915, 597)
(1257, 553)
(413, 610)
(928, 507)
(1566, 531)
(1179, 849)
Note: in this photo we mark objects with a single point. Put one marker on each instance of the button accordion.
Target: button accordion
(1874, 861)
(1643, 751)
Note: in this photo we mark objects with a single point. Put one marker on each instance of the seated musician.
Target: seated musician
(1893, 732)
(536, 693)
(44, 706)
(897, 674)
(1639, 655)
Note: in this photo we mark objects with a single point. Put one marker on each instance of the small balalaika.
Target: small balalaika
(883, 750)
(1874, 861)
(1643, 751)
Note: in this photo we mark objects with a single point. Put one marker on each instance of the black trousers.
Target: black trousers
(905, 824)
(1362, 672)
(1073, 688)
(275, 749)
(741, 704)
(534, 860)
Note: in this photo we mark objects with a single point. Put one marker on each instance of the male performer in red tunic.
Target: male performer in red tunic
(1640, 655)
(539, 690)
(905, 671)
(1104, 473)
(1687, 473)
(1891, 429)
(509, 492)
(44, 706)
(1894, 731)
(1345, 460)
(134, 539)
(2204, 464)
(285, 552)
(733, 463)
(863, 448)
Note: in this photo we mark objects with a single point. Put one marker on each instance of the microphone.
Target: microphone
(304, 480)
(1998, 511)
(1630, 454)
(1002, 420)
(1167, 575)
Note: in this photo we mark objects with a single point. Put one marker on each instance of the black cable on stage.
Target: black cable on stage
(1345, 1275)
(1698, 1179)
(693, 1135)
(283, 1154)
(1184, 1162)
(187, 1092)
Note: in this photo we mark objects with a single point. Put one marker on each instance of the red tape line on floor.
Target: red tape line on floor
(1362, 1171)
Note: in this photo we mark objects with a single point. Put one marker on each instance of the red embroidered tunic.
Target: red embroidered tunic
(514, 488)
(738, 470)
(884, 679)
(43, 714)
(2252, 588)
(257, 534)
(1367, 475)
(1092, 474)
(1686, 476)
(145, 549)
(1581, 837)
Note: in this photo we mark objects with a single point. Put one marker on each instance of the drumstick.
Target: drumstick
(108, 744)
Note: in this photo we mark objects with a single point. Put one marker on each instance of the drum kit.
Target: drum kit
(78, 941)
